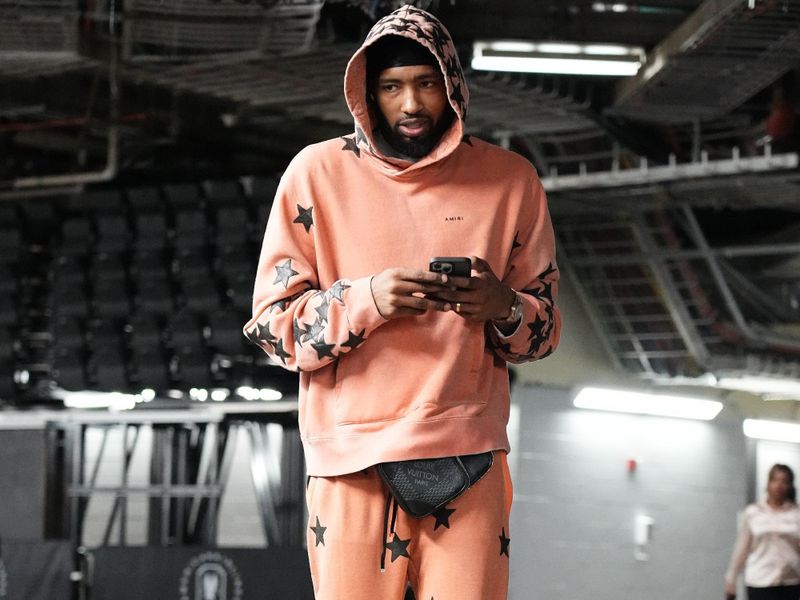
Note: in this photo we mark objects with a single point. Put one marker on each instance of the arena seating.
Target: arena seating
(128, 289)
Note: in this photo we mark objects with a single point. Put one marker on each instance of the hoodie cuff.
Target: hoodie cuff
(360, 305)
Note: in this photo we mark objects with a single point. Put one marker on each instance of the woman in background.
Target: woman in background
(768, 545)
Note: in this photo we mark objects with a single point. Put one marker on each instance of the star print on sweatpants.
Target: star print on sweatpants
(443, 517)
(398, 547)
(504, 542)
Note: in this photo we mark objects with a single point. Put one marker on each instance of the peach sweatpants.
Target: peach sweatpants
(361, 546)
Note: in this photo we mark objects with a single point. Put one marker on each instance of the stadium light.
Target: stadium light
(647, 404)
(562, 58)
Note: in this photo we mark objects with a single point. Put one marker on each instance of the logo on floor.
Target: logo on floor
(210, 576)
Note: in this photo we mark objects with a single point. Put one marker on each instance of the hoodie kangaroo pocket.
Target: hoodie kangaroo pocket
(395, 373)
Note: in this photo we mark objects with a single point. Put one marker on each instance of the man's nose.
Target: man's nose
(411, 103)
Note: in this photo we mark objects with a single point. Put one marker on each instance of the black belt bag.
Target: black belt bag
(421, 487)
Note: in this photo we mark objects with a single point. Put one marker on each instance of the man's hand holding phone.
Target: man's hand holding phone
(407, 292)
(449, 284)
(481, 297)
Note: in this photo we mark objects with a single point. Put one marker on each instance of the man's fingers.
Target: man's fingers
(479, 265)
(419, 276)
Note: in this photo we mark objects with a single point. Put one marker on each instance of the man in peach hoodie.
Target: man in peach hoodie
(398, 363)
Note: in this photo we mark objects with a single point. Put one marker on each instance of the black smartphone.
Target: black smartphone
(460, 266)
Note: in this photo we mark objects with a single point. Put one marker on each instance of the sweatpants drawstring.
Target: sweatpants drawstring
(385, 530)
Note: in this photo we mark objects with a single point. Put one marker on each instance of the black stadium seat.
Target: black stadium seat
(113, 234)
(224, 192)
(7, 385)
(67, 332)
(191, 229)
(144, 199)
(200, 295)
(77, 236)
(154, 295)
(183, 195)
(8, 279)
(150, 368)
(151, 231)
(6, 344)
(111, 299)
(68, 369)
(225, 332)
(233, 226)
(8, 310)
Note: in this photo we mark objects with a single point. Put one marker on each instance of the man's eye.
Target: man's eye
(389, 87)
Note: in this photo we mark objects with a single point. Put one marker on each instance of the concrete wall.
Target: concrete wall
(575, 502)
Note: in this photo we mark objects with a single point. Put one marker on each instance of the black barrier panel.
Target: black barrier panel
(35, 570)
(201, 573)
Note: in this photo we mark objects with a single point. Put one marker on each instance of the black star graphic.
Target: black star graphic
(536, 343)
(548, 271)
(457, 96)
(515, 244)
(298, 331)
(319, 532)
(451, 67)
(314, 330)
(467, 139)
(285, 273)
(399, 27)
(361, 137)
(536, 327)
(354, 340)
(337, 289)
(323, 349)
(420, 32)
(546, 292)
(261, 335)
(443, 517)
(504, 542)
(304, 217)
(505, 349)
(351, 145)
(322, 309)
(280, 352)
(398, 547)
(440, 37)
(281, 304)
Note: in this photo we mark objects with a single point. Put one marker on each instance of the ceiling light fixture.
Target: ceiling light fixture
(647, 404)
(563, 58)
(778, 431)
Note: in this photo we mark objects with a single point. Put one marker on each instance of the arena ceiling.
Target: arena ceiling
(676, 220)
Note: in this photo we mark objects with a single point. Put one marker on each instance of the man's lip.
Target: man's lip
(413, 128)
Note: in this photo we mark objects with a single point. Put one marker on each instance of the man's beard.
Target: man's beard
(419, 146)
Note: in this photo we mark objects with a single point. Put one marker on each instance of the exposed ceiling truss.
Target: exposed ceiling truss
(726, 52)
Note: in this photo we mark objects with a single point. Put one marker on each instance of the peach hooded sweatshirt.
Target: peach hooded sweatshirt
(434, 385)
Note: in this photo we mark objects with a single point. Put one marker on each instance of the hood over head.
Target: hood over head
(424, 29)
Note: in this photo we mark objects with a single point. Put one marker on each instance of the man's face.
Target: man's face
(413, 106)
